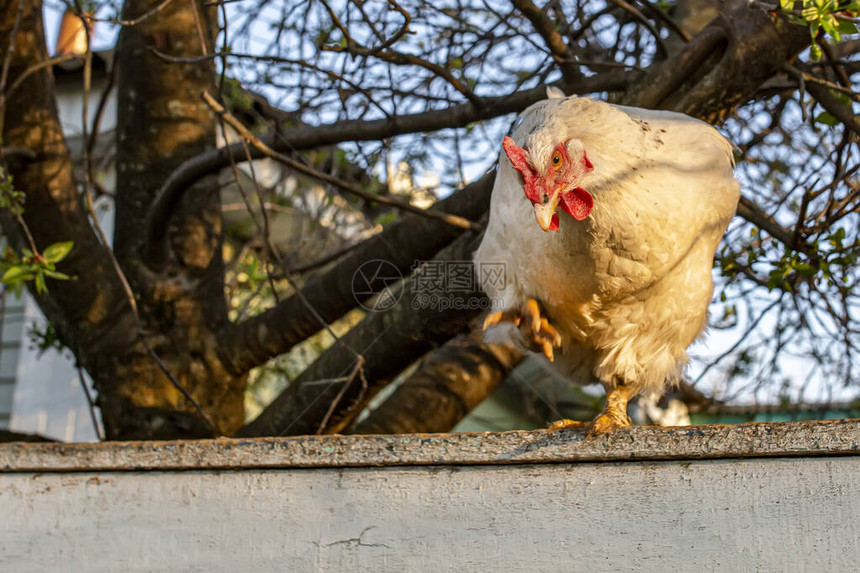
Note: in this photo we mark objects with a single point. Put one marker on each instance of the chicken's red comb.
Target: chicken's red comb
(519, 158)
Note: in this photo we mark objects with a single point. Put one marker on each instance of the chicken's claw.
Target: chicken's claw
(613, 416)
(608, 422)
(543, 334)
(508, 315)
(535, 328)
(566, 424)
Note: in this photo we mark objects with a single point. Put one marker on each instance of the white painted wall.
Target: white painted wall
(11, 330)
(778, 514)
(48, 397)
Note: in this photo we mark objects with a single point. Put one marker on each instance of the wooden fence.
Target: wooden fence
(754, 497)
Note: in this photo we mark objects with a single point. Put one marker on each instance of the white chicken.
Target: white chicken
(620, 280)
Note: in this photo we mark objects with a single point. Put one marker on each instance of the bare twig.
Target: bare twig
(357, 370)
(809, 78)
(452, 220)
(90, 403)
(135, 21)
(634, 11)
(397, 58)
(547, 30)
(41, 66)
(666, 19)
(213, 427)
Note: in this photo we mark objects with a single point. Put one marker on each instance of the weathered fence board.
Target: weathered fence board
(519, 501)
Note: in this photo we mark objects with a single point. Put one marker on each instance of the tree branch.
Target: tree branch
(748, 210)
(546, 28)
(448, 384)
(411, 328)
(250, 343)
(836, 108)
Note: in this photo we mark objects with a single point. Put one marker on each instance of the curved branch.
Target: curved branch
(156, 249)
(326, 178)
(636, 13)
(544, 26)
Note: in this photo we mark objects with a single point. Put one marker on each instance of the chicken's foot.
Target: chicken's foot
(613, 416)
(536, 329)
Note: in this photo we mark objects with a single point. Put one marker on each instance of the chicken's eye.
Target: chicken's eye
(556, 160)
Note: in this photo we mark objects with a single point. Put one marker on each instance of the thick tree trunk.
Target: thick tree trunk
(90, 313)
(162, 122)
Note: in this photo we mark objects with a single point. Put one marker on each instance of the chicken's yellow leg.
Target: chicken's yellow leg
(613, 416)
(614, 413)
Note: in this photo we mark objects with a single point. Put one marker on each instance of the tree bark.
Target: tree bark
(162, 122)
(448, 384)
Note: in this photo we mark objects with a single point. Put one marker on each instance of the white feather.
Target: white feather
(628, 288)
(553, 92)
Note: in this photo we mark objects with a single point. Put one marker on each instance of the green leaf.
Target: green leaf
(827, 119)
(57, 275)
(58, 251)
(815, 52)
(41, 286)
(17, 273)
(846, 27)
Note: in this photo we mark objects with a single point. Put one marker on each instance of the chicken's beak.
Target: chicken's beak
(545, 211)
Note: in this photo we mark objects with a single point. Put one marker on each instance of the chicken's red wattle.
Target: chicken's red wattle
(577, 203)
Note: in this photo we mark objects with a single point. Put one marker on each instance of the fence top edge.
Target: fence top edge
(635, 444)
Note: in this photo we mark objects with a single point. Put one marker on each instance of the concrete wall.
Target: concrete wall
(763, 497)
